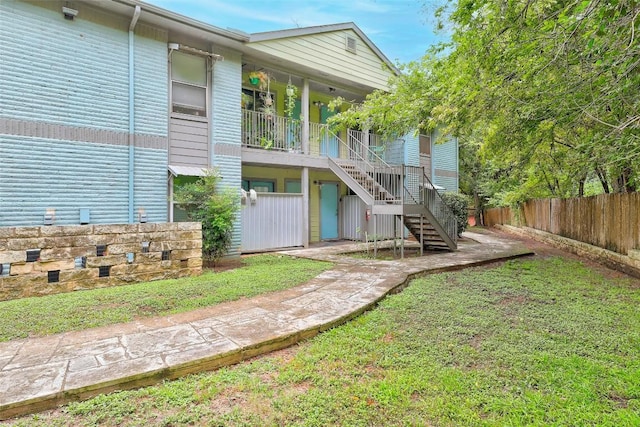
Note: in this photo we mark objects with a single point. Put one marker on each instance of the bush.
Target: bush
(459, 205)
(204, 202)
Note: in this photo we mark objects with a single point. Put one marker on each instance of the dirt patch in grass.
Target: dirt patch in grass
(543, 250)
(224, 264)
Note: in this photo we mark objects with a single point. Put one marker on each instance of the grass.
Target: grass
(52, 314)
(533, 342)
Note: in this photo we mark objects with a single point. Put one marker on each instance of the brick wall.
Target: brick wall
(48, 260)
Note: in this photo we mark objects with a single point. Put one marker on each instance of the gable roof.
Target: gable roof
(319, 29)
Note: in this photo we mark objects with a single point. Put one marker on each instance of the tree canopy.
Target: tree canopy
(544, 96)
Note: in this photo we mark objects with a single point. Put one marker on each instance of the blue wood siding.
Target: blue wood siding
(60, 71)
(411, 149)
(394, 152)
(226, 130)
(65, 175)
(151, 81)
(150, 183)
(445, 162)
(74, 75)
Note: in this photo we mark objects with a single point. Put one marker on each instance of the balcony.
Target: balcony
(283, 134)
(271, 132)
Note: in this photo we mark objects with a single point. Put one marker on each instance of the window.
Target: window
(425, 144)
(188, 84)
(179, 213)
(254, 100)
(292, 186)
(260, 185)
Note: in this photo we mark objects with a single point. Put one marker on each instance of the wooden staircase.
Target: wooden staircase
(433, 227)
(425, 233)
(365, 182)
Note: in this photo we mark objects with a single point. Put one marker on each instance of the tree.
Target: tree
(205, 202)
(543, 95)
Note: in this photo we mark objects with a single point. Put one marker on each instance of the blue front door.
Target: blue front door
(328, 142)
(329, 211)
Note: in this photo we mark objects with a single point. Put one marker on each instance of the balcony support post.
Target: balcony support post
(304, 101)
(304, 181)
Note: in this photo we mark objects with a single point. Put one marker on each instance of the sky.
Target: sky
(402, 29)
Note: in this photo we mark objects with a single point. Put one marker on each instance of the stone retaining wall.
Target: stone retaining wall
(53, 259)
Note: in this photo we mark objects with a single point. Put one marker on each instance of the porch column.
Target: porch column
(304, 101)
(304, 183)
(365, 143)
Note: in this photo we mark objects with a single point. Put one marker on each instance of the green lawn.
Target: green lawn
(533, 342)
(86, 309)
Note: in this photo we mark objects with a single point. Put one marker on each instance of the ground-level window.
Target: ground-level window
(180, 214)
(292, 186)
(259, 185)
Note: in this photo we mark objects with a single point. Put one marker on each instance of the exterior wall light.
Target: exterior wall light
(142, 215)
(49, 216)
(69, 13)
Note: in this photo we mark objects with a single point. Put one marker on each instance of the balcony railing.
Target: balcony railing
(271, 132)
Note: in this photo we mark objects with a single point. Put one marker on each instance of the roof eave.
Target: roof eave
(187, 22)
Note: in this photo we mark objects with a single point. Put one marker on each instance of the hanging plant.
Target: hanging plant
(290, 103)
(255, 77)
(260, 79)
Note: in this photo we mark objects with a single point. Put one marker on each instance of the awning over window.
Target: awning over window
(186, 170)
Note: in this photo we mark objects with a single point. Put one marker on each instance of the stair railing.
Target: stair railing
(420, 190)
(387, 178)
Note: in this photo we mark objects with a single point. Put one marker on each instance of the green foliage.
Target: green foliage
(459, 205)
(532, 342)
(68, 312)
(205, 202)
(543, 95)
(290, 100)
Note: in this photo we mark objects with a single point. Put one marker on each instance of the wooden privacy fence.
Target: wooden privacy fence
(610, 221)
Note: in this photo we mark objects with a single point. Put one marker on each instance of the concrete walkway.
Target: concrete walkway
(41, 373)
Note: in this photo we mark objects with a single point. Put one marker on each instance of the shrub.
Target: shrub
(204, 202)
(459, 205)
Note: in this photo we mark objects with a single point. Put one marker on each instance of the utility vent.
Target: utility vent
(33, 255)
(104, 271)
(350, 44)
(101, 250)
(53, 276)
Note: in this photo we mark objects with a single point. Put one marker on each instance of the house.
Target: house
(106, 107)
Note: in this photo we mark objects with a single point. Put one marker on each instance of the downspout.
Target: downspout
(132, 127)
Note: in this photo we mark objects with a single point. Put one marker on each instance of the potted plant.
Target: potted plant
(255, 77)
